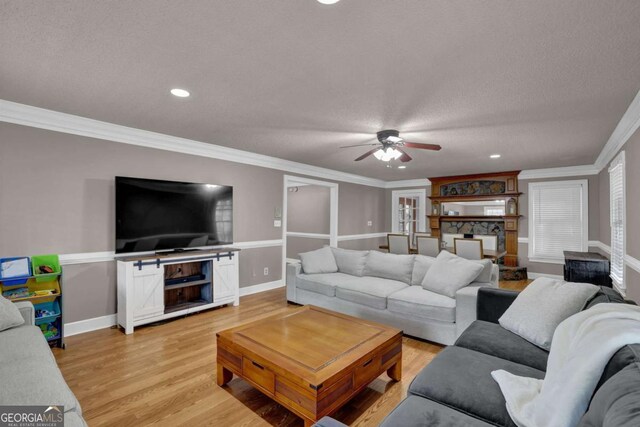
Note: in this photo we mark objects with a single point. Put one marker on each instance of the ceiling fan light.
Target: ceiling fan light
(387, 154)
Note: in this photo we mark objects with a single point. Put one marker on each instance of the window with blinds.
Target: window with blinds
(558, 219)
(617, 213)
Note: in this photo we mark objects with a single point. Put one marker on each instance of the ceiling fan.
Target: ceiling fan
(392, 147)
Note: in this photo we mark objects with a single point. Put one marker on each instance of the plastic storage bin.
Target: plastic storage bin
(53, 309)
(16, 280)
(51, 330)
(52, 261)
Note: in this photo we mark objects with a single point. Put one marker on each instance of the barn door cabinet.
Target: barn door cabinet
(159, 287)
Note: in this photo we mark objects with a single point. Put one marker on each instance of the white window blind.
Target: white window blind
(617, 213)
(558, 219)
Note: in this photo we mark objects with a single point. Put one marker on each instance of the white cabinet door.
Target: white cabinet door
(225, 280)
(148, 291)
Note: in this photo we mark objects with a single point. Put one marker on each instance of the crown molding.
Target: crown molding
(27, 115)
(628, 124)
(422, 182)
(567, 171)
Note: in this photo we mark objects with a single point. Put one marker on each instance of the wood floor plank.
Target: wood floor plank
(164, 374)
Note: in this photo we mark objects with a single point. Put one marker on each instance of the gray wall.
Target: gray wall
(57, 196)
(308, 209)
(307, 212)
(632, 178)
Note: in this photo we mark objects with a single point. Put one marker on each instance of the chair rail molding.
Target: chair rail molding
(106, 256)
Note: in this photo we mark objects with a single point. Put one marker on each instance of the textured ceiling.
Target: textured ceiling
(543, 83)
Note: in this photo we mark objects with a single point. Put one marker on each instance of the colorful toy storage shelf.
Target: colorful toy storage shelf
(44, 290)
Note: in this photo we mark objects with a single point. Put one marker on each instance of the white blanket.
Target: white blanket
(581, 348)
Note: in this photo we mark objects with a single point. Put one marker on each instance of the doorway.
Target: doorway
(408, 212)
(309, 216)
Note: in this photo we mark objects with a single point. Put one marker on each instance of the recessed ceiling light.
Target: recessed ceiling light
(402, 167)
(495, 156)
(328, 1)
(180, 93)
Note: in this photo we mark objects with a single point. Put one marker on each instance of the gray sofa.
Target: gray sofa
(29, 374)
(457, 389)
(389, 292)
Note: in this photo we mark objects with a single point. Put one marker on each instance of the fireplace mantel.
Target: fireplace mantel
(479, 187)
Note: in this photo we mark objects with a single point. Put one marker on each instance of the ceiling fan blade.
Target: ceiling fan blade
(360, 145)
(434, 147)
(405, 157)
(367, 154)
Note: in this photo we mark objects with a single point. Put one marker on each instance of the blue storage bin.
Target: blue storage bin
(52, 307)
(15, 280)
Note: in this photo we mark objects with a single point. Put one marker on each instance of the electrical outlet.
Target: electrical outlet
(266, 271)
(277, 223)
(369, 223)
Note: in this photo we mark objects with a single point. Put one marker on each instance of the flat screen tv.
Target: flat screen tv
(153, 215)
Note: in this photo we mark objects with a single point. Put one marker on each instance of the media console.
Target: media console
(162, 286)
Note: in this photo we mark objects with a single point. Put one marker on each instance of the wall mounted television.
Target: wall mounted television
(154, 215)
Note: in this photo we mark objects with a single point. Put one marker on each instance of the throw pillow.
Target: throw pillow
(349, 261)
(449, 273)
(9, 314)
(318, 261)
(542, 306)
(421, 265)
(389, 266)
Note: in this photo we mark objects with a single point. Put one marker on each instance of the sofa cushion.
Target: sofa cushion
(72, 419)
(370, 291)
(461, 378)
(318, 261)
(416, 301)
(324, 284)
(349, 261)
(22, 343)
(421, 265)
(415, 411)
(9, 314)
(605, 294)
(616, 403)
(449, 273)
(389, 266)
(23, 384)
(494, 340)
(621, 359)
(542, 306)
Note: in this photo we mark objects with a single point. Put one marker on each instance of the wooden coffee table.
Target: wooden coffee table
(310, 360)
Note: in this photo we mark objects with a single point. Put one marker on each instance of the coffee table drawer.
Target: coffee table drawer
(258, 374)
(367, 371)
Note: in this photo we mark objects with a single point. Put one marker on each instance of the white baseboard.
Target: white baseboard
(88, 325)
(532, 275)
(261, 287)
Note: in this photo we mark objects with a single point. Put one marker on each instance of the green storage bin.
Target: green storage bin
(52, 261)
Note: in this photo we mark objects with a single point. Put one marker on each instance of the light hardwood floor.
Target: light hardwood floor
(165, 374)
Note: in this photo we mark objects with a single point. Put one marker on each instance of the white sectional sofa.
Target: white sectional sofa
(389, 289)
